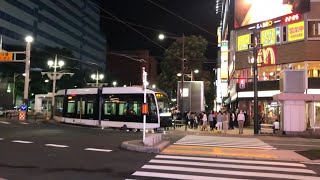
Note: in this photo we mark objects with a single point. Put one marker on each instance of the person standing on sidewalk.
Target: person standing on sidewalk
(210, 117)
(204, 121)
(219, 121)
(225, 120)
(241, 119)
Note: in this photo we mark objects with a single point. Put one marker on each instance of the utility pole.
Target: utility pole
(54, 85)
(28, 39)
(182, 81)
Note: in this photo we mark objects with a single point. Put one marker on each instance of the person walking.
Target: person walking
(219, 121)
(225, 121)
(211, 118)
(241, 119)
(232, 120)
(204, 121)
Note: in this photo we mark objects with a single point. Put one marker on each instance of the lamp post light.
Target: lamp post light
(162, 37)
(29, 40)
(54, 64)
(255, 47)
(114, 83)
(97, 77)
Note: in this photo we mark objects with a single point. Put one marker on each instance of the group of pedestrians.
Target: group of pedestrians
(216, 120)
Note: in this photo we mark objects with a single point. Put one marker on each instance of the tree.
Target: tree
(195, 48)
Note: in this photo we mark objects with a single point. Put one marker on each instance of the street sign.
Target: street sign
(242, 84)
(6, 56)
(23, 107)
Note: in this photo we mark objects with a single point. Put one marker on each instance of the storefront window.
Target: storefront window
(314, 69)
(267, 73)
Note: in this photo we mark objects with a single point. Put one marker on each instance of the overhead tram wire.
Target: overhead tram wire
(126, 24)
(167, 10)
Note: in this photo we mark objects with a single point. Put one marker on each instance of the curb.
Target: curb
(137, 145)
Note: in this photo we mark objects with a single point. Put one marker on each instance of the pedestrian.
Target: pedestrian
(215, 115)
(219, 121)
(276, 126)
(204, 121)
(241, 119)
(225, 121)
(211, 118)
(196, 120)
(232, 120)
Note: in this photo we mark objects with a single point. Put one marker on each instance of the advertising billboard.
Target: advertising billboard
(267, 56)
(224, 60)
(268, 37)
(249, 12)
(243, 42)
(296, 31)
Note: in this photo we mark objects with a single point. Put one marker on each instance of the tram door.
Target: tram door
(81, 106)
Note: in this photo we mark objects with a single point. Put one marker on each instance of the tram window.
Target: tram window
(137, 108)
(122, 109)
(71, 107)
(152, 105)
(59, 106)
(90, 106)
(81, 107)
(109, 108)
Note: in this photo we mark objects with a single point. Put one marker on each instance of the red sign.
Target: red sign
(291, 18)
(267, 56)
(145, 109)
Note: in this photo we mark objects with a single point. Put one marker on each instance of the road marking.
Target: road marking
(57, 145)
(228, 172)
(306, 145)
(317, 163)
(177, 176)
(1, 139)
(99, 150)
(23, 123)
(233, 166)
(4, 122)
(23, 142)
(231, 160)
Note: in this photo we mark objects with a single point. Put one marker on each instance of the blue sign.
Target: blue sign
(23, 107)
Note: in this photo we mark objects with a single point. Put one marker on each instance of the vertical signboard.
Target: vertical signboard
(296, 31)
(224, 60)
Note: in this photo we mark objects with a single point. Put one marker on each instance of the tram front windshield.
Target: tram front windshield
(163, 103)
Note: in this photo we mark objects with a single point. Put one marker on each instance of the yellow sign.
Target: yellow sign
(5, 56)
(296, 31)
(268, 37)
(243, 42)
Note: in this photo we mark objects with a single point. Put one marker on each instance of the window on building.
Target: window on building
(314, 69)
(284, 34)
(313, 29)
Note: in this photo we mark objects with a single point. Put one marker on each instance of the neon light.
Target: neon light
(291, 18)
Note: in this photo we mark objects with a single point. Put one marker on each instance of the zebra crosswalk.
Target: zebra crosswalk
(233, 142)
(205, 168)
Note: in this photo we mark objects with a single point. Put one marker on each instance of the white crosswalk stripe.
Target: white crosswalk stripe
(4, 122)
(234, 142)
(205, 168)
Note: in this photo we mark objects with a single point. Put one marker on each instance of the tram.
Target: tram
(112, 107)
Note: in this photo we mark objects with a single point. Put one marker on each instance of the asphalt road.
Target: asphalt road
(49, 151)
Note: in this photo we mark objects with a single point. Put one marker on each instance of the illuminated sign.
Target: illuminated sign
(268, 37)
(267, 56)
(242, 84)
(243, 42)
(291, 18)
(6, 56)
(248, 12)
(296, 31)
(264, 24)
(224, 60)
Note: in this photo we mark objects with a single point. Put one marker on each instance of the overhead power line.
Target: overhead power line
(126, 24)
(185, 20)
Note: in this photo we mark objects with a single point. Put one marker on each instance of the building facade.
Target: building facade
(72, 24)
(288, 33)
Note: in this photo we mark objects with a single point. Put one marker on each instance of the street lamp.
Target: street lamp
(29, 40)
(114, 83)
(252, 59)
(154, 86)
(196, 71)
(162, 37)
(54, 64)
(97, 77)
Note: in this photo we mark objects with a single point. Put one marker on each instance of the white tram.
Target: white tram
(112, 107)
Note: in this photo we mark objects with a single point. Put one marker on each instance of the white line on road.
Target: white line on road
(23, 142)
(4, 122)
(100, 150)
(307, 145)
(234, 166)
(1, 139)
(23, 123)
(176, 176)
(228, 172)
(57, 145)
(317, 163)
(231, 160)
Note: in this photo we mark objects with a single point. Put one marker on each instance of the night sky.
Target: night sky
(142, 12)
